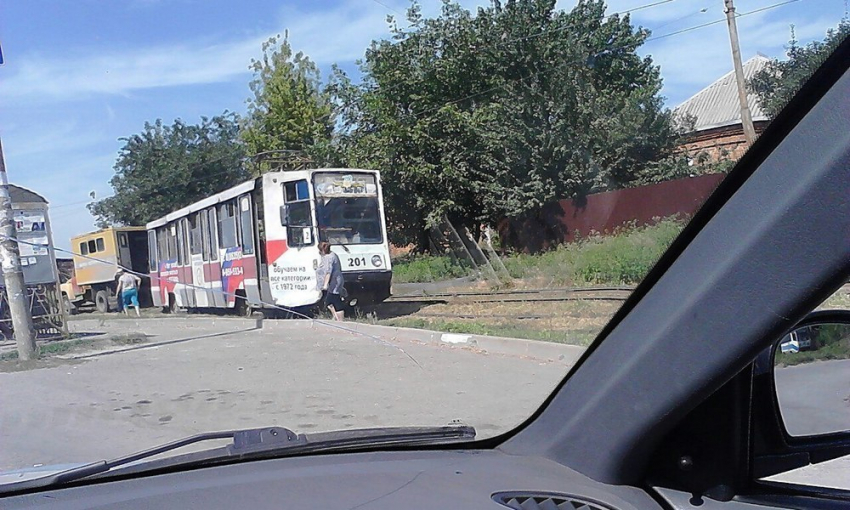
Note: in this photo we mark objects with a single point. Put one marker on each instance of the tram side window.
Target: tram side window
(246, 224)
(211, 234)
(227, 225)
(99, 244)
(152, 254)
(171, 236)
(84, 248)
(92, 247)
(181, 243)
(205, 234)
(162, 243)
(195, 238)
(299, 218)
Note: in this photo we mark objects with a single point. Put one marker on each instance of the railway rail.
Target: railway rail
(519, 295)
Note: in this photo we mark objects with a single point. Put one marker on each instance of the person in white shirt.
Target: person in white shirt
(128, 291)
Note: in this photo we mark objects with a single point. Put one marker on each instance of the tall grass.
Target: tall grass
(424, 268)
(622, 258)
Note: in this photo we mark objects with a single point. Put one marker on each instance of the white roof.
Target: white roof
(717, 105)
(239, 190)
(203, 204)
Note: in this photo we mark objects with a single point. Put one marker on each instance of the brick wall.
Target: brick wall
(725, 143)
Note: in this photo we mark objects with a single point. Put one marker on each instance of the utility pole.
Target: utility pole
(746, 116)
(13, 276)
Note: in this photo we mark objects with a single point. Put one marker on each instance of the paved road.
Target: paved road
(218, 374)
(287, 374)
(814, 398)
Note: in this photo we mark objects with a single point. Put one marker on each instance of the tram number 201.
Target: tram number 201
(357, 262)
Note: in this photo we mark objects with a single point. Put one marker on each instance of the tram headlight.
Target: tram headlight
(377, 261)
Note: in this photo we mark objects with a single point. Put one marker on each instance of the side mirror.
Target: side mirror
(811, 375)
(800, 392)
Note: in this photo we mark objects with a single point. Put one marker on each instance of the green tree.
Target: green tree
(777, 83)
(494, 114)
(289, 111)
(164, 168)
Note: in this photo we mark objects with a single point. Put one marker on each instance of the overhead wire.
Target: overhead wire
(266, 304)
(389, 90)
(600, 53)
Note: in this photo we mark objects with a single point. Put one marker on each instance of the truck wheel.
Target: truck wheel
(101, 301)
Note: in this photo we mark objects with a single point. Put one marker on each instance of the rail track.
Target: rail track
(520, 295)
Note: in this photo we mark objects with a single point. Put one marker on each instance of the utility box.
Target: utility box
(38, 262)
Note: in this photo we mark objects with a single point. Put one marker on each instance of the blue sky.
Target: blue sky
(81, 74)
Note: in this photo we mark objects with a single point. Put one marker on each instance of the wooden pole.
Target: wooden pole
(746, 115)
(13, 275)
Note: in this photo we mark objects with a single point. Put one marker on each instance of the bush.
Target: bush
(622, 258)
(423, 268)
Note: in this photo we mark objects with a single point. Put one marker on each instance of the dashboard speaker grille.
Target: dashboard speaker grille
(538, 501)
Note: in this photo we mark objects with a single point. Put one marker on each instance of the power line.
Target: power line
(561, 29)
(741, 15)
(701, 11)
(379, 2)
(610, 48)
(160, 279)
(492, 89)
(519, 39)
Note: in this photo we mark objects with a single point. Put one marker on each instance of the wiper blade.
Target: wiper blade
(268, 440)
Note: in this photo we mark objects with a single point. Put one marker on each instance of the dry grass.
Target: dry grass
(573, 322)
(838, 301)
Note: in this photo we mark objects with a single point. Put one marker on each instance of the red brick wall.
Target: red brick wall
(559, 222)
(726, 143)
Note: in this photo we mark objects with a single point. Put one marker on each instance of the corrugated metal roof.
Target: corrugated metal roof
(717, 105)
(21, 195)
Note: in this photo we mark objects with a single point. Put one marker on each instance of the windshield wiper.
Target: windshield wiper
(248, 442)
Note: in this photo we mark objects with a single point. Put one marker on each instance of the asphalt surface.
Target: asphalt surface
(204, 374)
(223, 374)
(814, 398)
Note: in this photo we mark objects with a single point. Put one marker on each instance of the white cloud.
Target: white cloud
(22, 143)
(121, 72)
(338, 35)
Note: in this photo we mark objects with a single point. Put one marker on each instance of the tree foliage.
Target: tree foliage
(777, 83)
(288, 110)
(164, 168)
(494, 114)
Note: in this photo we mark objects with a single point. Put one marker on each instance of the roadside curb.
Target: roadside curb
(537, 349)
(490, 344)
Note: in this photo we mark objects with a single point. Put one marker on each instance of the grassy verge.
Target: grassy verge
(835, 351)
(426, 268)
(60, 347)
(833, 341)
(622, 258)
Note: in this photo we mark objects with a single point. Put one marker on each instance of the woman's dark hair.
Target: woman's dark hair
(325, 247)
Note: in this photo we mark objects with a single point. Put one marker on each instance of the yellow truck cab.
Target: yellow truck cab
(97, 258)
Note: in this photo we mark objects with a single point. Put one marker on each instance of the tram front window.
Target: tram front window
(349, 220)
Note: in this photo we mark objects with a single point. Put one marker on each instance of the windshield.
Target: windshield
(347, 208)
(310, 216)
(349, 220)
